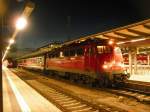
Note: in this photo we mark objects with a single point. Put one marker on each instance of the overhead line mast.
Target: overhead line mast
(68, 28)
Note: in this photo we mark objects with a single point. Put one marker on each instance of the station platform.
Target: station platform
(138, 77)
(20, 97)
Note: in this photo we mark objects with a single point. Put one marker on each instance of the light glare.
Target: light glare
(111, 42)
(11, 41)
(105, 66)
(8, 48)
(21, 23)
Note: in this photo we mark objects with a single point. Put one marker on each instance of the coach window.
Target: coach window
(53, 55)
(72, 52)
(61, 54)
(57, 54)
(49, 55)
(80, 51)
(66, 53)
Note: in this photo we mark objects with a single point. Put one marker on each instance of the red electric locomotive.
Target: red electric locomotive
(90, 61)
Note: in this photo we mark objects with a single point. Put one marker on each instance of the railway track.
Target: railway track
(138, 86)
(64, 100)
(135, 89)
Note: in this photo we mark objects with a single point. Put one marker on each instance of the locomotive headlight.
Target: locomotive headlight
(125, 72)
(121, 65)
(105, 66)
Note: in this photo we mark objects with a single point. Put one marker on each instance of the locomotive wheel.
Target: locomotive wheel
(80, 80)
(99, 83)
(71, 78)
(106, 82)
(102, 83)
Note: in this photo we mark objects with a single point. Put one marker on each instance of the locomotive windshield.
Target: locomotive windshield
(104, 49)
(117, 50)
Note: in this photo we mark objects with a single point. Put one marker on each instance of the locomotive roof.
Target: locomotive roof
(81, 44)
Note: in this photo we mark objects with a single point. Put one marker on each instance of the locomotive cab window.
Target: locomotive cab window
(104, 49)
(117, 50)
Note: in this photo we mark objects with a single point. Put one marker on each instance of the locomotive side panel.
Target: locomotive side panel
(90, 59)
(71, 64)
(70, 60)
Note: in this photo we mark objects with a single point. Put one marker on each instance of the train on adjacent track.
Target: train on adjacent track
(90, 61)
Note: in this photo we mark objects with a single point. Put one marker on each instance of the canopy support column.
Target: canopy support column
(148, 59)
(135, 60)
(130, 62)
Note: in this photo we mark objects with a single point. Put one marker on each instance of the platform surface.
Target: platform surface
(140, 77)
(20, 97)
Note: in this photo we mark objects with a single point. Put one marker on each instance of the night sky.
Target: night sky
(56, 20)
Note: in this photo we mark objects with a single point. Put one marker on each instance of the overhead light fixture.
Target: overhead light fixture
(110, 42)
(11, 41)
(8, 48)
(21, 23)
(136, 40)
(121, 43)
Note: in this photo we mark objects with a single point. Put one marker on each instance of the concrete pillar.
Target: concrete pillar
(135, 60)
(148, 59)
(130, 61)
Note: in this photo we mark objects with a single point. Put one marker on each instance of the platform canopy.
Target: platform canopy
(128, 35)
